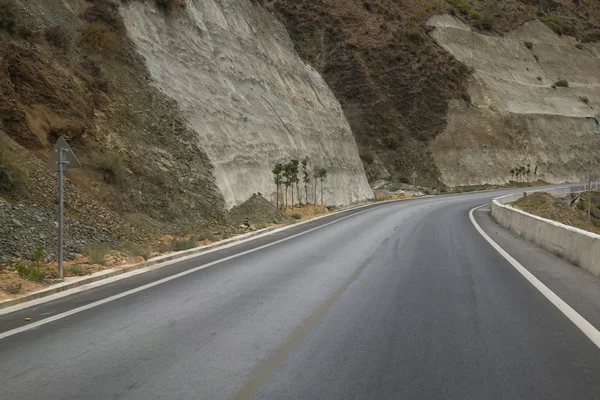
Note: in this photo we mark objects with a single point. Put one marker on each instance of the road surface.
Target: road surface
(402, 300)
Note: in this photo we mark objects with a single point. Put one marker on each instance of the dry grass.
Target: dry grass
(306, 212)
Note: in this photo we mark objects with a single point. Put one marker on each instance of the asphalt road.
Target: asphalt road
(401, 301)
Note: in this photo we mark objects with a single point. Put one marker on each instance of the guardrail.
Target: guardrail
(579, 247)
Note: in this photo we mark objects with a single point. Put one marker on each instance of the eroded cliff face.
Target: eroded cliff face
(515, 116)
(252, 102)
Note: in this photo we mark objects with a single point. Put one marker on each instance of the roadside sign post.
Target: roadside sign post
(414, 176)
(61, 159)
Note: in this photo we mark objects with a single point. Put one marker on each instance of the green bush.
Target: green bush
(463, 7)
(8, 15)
(95, 253)
(179, 245)
(296, 216)
(32, 272)
(57, 37)
(112, 167)
(486, 23)
(367, 156)
(561, 83)
(529, 45)
(475, 15)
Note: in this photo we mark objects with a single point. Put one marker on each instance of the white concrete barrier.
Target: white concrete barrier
(580, 247)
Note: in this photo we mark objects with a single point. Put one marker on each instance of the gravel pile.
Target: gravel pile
(256, 211)
(23, 229)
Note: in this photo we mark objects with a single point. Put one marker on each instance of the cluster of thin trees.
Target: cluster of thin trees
(289, 175)
(522, 171)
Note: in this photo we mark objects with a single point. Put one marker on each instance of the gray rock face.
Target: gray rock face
(234, 72)
(515, 117)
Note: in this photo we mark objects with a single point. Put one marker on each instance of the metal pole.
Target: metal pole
(61, 165)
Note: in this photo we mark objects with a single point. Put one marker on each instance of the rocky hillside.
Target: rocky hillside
(176, 111)
(399, 86)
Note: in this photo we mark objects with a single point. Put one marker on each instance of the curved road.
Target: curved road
(401, 300)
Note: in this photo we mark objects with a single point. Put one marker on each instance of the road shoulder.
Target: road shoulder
(576, 287)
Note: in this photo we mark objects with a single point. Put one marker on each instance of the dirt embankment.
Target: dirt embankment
(571, 210)
(67, 68)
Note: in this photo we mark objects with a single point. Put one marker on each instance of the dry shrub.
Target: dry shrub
(169, 5)
(8, 15)
(32, 35)
(103, 11)
(367, 156)
(57, 37)
(12, 173)
(99, 38)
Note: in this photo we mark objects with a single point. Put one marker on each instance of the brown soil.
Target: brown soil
(560, 209)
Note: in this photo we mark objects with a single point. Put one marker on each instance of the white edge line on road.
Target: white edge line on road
(77, 310)
(588, 329)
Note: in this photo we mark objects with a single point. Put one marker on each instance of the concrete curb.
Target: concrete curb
(581, 248)
(61, 287)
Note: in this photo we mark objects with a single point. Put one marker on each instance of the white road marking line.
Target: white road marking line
(77, 310)
(588, 329)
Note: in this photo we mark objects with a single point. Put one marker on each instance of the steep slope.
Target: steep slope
(516, 117)
(250, 99)
(176, 115)
(396, 83)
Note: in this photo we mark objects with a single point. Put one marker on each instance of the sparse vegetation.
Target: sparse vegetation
(29, 34)
(414, 35)
(169, 5)
(131, 249)
(367, 156)
(296, 216)
(57, 37)
(103, 11)
(585, 99)
(14, 288)
(12, 173)
(180, 245)
(392, 142)
(32, 272)
(536, 58)
(561, 83)
(579, 46)
(76, 270)
(539, 78)
(95, 253)
(8, 15)
(98, 37)
(529, 45)
(111, 165)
